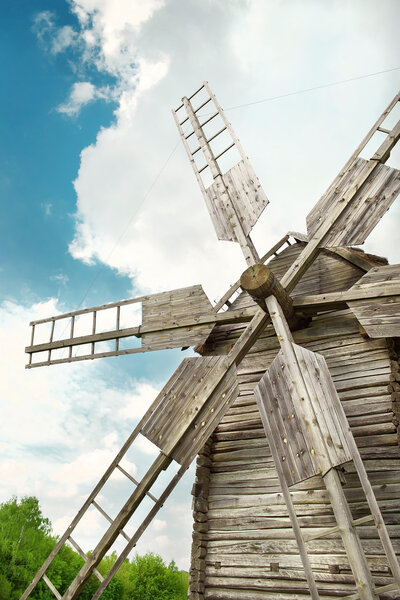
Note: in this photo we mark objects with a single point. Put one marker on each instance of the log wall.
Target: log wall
(243, 544)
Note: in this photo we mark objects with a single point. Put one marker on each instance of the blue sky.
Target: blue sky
(99, 203)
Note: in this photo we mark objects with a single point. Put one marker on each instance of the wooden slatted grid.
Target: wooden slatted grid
(182, 317)
(162, 313)
(188, 408)
(235, 199)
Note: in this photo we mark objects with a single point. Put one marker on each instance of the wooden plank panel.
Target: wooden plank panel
(164, 311)
(189, 407)
(368, 206)
(246, 195)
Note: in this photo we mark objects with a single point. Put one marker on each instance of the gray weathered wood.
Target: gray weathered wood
(368, 206)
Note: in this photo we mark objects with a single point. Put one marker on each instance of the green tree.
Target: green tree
(151, 579)
(25, 541)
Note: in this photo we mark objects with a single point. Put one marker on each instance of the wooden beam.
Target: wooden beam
(333, 299)
(307, 256)
(301, 398)
(259, 281)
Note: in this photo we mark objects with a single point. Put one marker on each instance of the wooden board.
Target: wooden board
(366, 209)
(190, 405)
(247, 199)
(161, 313)
(288, 430)
(379, 316)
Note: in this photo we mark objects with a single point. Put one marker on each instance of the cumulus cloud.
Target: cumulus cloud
(138, 206)
(82, 93)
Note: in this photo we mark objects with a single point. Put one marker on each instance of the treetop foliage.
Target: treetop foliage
(26, 540)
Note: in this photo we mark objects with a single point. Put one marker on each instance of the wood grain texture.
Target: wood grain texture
(246, 195)
(368, 206)
(249, 532)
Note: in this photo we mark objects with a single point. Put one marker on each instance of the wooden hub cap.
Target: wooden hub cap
(258, 281)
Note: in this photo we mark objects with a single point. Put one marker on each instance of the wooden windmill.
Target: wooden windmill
(304, 423)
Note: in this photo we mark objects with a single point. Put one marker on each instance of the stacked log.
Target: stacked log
(248, 550)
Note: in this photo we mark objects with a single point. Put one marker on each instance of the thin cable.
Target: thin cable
(124, 231)
(311, 89)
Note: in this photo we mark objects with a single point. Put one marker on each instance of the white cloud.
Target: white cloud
(158, 525)
(89, 467)
(165, 239)
(135, 405)
(64, 38)
(82, 93)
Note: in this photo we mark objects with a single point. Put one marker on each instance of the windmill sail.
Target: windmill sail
(182, 317)
(233, 195)
(366, 190)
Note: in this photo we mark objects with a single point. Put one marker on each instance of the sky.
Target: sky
(99, 202)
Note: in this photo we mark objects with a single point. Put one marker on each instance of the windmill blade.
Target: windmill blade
(234, 196)
(367, 208)
(179, 422)
(371, 197)
(350, 209)
(378, 307)
(174, 319)
(374, 300)
(309, 435)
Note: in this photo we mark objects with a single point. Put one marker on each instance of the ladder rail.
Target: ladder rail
(86, 505)
(370, 497)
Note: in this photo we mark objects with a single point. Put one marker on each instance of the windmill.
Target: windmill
(303, 419)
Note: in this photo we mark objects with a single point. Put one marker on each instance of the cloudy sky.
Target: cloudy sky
(99, 202)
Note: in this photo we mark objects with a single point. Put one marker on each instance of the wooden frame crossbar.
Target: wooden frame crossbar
(118, 334)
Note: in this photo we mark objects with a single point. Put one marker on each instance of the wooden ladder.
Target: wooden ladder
(179, 422)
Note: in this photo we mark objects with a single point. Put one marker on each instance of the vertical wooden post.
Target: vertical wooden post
(351, 541)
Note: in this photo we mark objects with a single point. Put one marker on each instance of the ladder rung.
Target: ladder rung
(226, 150)
(210, 119)
(201, 105)
(52, 587)
(109, 519)
(129, 476)
(196, 92)
(328, 530)
(84, 556)
(202, 168)
(383, 130)
(184, 121)
(188, 136)
(197, 149)
(216, 134)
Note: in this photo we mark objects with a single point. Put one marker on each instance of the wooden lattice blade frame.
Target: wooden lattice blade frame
(233, 196)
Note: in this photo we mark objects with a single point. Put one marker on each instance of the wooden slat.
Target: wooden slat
(178, 420)
(52, 587)
(246, 195)
(367, 208)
